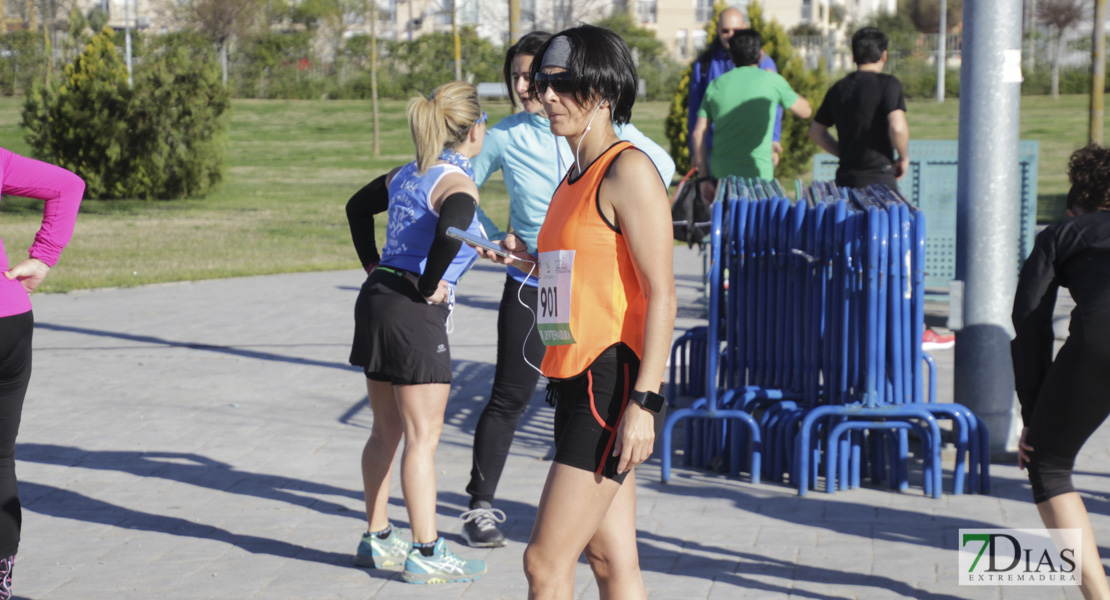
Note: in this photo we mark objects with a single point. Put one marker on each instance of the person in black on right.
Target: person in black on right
(869, 112)
(1064, 399)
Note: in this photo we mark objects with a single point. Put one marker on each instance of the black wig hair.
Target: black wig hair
(601, 67)
(530, 43)
(745, 47)
(868, 45)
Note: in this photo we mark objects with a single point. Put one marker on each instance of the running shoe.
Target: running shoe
(480, 526)
(376, 553)
(443, 566)
(934, 341)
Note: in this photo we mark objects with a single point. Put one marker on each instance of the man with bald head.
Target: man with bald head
(714, 61)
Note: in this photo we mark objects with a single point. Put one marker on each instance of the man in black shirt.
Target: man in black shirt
(869, 112)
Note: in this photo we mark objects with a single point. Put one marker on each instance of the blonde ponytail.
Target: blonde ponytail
(442, 120)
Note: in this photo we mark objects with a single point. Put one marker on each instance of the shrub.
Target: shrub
(919, 78)
(675, 124)
(162, 139)
(176, 115)
(24, 61)
(422, 65)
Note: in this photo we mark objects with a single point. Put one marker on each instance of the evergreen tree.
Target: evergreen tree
(163, 139)
(80, 123)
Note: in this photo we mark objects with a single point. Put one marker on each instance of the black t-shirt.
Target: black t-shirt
(858, 106)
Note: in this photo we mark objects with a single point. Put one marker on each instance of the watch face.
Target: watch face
(650, 400)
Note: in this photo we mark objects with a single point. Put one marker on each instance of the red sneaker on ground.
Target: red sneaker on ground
(934, 341)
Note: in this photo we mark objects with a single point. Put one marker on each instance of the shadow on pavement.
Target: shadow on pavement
(157, 341)
(191, 469)
(57, 502)
(740, 567)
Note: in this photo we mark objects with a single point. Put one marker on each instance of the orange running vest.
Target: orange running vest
(607, 305)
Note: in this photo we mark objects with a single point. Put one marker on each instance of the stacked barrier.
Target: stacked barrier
(812, 353)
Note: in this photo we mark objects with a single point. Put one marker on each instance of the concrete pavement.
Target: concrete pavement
(202, 440)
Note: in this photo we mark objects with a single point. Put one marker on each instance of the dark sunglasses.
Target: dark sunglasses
(561, 83)
(734, 30)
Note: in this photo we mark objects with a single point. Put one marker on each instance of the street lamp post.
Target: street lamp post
(127, 28)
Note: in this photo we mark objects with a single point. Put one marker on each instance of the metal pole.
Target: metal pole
(514, 22)
(942, 49)
(1098, 72)
(374, 75)
(987, 215)
(455, 35)
(127, 27)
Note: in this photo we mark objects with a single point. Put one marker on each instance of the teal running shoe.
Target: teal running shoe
(443, 566)
(376, 553)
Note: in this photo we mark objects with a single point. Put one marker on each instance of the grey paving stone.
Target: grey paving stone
(201, 440)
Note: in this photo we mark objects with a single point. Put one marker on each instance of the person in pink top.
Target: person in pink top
(62, 192)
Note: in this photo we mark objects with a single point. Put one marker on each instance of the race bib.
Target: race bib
(553, 311)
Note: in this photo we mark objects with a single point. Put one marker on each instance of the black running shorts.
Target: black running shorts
(399, 337)
(588, 409)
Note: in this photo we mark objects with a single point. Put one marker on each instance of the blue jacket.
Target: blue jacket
(523, 148)
(720, 62)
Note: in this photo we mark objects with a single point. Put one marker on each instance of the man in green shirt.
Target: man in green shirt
(741, 104)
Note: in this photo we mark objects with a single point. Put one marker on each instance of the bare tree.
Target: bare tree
(1061, 16)
(221, 20)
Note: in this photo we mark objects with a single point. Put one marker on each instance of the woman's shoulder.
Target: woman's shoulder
(630, 159)
(454, 180)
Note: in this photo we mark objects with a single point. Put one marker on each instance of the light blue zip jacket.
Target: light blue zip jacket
(523, 148)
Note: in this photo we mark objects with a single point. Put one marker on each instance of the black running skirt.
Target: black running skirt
(399, 337)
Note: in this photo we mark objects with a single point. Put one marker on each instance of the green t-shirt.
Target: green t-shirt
(741, 104)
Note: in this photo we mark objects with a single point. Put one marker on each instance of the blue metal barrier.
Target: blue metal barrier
(813, 345)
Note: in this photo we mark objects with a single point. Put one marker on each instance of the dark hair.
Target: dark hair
(1089, 173)
(868, 45)
(745, 47)
(529, 44)
(601, 67)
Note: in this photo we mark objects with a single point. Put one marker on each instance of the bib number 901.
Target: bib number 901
(555, 293)
(549, 302)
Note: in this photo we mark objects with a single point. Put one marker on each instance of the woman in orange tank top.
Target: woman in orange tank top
(606, 312)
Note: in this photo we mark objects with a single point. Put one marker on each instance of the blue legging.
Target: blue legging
(15, 373)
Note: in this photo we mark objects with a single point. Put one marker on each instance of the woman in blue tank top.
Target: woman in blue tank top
(401, 318)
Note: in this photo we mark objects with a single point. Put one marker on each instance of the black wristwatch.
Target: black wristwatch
(649, 400)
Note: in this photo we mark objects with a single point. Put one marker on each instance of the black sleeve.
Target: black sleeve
(372, 199)
(825, 115)
(457, 210)
(893, 98)
(1034, 303)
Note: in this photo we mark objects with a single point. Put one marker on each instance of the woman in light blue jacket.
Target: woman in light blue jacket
(533, 161)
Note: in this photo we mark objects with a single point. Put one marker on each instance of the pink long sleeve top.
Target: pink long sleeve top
(62, 192)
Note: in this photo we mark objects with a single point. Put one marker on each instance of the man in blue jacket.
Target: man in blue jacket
(716, 61)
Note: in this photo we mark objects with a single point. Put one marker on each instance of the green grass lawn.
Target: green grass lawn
(292, 165)
(1059, 125)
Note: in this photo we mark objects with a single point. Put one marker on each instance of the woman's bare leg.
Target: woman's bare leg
(572, 507)
(1067, 511)
(612, 552)
(421, 408)
(379, 452)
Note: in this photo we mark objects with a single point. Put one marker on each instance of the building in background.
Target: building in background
(680, 24)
